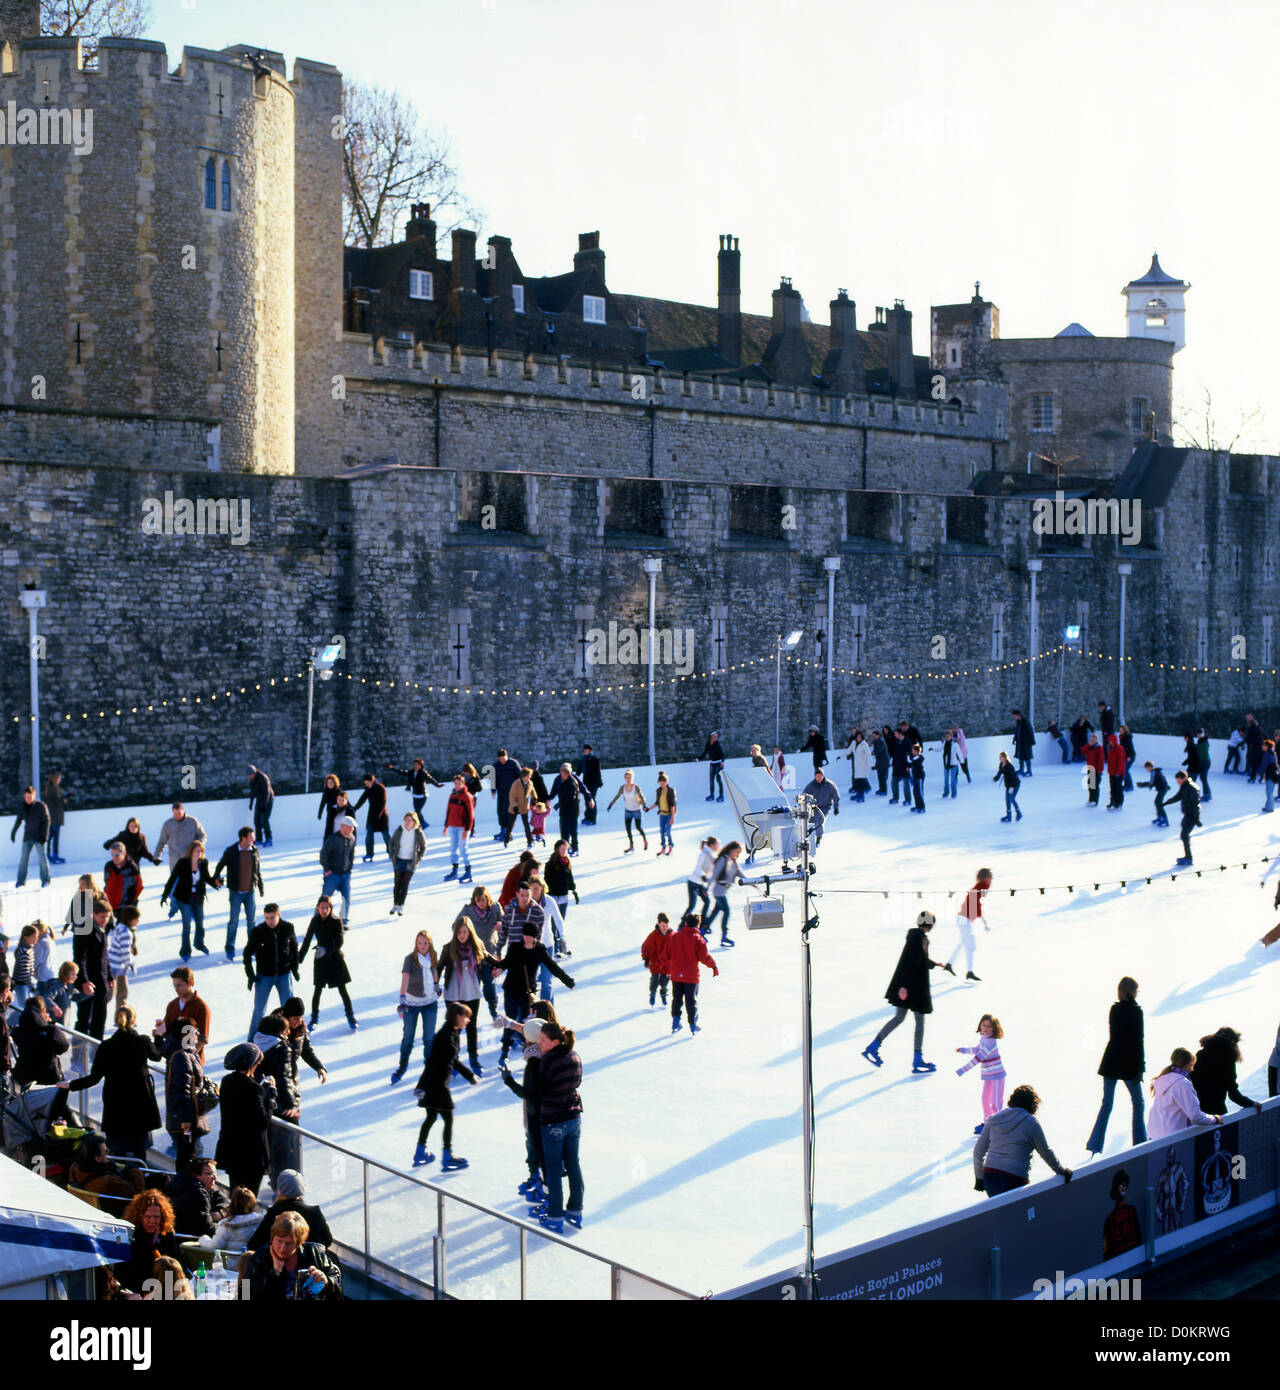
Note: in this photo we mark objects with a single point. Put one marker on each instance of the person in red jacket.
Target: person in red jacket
(1117, 765)
(1096, 759)
(516, 875)
(651, 953)
(122, 883)
(679, 960)
(459, 825)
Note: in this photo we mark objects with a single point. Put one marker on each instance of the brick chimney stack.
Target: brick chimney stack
(842, 367)
(729, 320)
(902, 362)
(786, 358)
(464, 261)
(421, 225)
(589, 253)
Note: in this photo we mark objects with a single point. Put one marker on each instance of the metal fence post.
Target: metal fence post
(995, 1274)
(440, 1236)
(524, 1254)
(615, 1283)
(364, 1173)
(1151, 1226)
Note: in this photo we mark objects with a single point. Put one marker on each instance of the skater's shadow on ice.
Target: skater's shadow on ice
(843, 1033)
(1224, 982)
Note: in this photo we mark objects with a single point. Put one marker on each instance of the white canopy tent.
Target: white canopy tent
(45, 1232)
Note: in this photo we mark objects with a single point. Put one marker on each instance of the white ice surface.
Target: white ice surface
(691, 1146)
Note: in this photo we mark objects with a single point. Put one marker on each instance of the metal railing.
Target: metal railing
(415, 1236)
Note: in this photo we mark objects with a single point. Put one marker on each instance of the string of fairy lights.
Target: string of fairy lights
(228, 693)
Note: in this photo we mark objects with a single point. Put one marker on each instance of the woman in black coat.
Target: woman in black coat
(184, 1078)
(327, 930)
(39, 1045)
(1123, 1060)
(134, 842)
(329, 796)
(1214, 1074)
(244, 1140)
(909, 990)
(190, 880)
(129, 1109)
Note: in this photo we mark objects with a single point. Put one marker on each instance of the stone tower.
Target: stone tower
(1155, 306)
(19, 19)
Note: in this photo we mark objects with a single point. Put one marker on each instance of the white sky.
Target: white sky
(900, 150)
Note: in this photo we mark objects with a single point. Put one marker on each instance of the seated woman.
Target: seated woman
(151, 1217)
(92, 1171)
(290, 1190)
(168, 1283)
(240, 1222)
(291, 1266)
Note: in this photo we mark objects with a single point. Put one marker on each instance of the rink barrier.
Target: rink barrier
(1190, 1189)
(350, 1209)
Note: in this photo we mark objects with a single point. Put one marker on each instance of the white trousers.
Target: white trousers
(966, 942)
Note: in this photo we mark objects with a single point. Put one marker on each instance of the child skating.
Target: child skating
(681, 954)
(986, 1054)
(433, 1089)
(651, 953)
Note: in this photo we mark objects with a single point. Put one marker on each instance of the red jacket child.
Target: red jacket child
(1115, 757)
(681, 954)
(1095, 755)
(653, 946)
(461, 810)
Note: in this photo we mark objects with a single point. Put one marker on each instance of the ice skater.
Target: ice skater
(1159, 783)
(1012, 782)
(634, 805)
(1189, 799)
(909, 992)
(986, 1054)
(1123, 1060)
(915, 769)
(714, 753)
(1115, 773)
(967, 920)
(724, 873)
(826, 796)
(651, 951)
(432, 1092)
(950, 764)
(682, 953)
(1095, 757)
(698, 879)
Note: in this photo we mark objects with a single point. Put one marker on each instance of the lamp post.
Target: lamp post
(831, 564)
(319, 662)
(1033, 568)
(790, 640)
(1124, 570)
(1070, 638)
(653, 568)
(33, 600)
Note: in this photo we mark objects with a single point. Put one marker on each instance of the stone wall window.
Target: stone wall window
(1235, 561)
(459, 644)
(1041, 407)
(211, 183)
(1202, 641)
(421, 284)
(493, 501)
(857, 632)
(869, 516)
(226, 185)
(966, 520)
(1201, 565)
(217, 176)
(584, 616)
(997, 632)
(1266, 639)
(1139, 406)
(517, 298)
(633, 507)
(719, 637)
(592, 308)
(755, 513)
(1268, 565)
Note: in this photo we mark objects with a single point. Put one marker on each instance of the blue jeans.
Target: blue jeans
(369, 833)
(1128, 773)
(262, 823)
(412, 1012)
(339, 883)
(1270, 786)
(193, 911)
(1134, 1086)
(664, 830)
(1011, 802)
(1066, 751)
(721, 907)
(950, 780)
(458, 845)
(715, 770)
(995, 1184)
(27, 847)
(633, 818)
(544, 983)
(901, 782)
(262, 988)
(560, 1155)
(238, 901)
(697, 892)
(55, 834)
(488, 988)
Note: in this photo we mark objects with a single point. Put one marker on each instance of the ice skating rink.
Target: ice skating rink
(691, 1145)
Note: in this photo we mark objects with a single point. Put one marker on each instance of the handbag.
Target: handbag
(207, 1096)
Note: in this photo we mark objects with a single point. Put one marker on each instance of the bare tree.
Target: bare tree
(117, 19)
(1201, 429)
(390, 160)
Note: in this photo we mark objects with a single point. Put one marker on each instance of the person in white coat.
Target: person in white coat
(1175, 1105)
(698, 879)
(552, 930)
(861, 757)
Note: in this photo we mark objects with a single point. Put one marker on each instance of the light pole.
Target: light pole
(33, 600)
(1033, 567)
(321, 662)
(831, 564)
(790, 640)
(653, 568)
(1070, 638)
(1124, 570)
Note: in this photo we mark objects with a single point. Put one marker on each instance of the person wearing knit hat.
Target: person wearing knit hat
(245, 1105)
(532, 1188)
(817, 745)
(337, 859)
(908, 992)
(291, 1188)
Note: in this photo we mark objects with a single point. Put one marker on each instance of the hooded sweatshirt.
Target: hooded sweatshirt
(1006, 1143)
(1176, 1105)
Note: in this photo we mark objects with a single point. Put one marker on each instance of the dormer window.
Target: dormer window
(592, 308)
(517, 298)
(421, 284)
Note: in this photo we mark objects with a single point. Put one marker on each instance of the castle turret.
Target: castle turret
(1155, 306)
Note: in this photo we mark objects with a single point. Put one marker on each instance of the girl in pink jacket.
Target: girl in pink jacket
(987, 1055)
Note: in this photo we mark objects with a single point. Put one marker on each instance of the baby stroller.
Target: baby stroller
(33, 1133)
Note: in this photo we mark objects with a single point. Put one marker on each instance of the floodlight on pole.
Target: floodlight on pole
(791, 640)
(653, 568)
(321, 663)
(33, 600)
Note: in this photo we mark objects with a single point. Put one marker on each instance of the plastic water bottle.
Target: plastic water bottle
(200, 1280)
